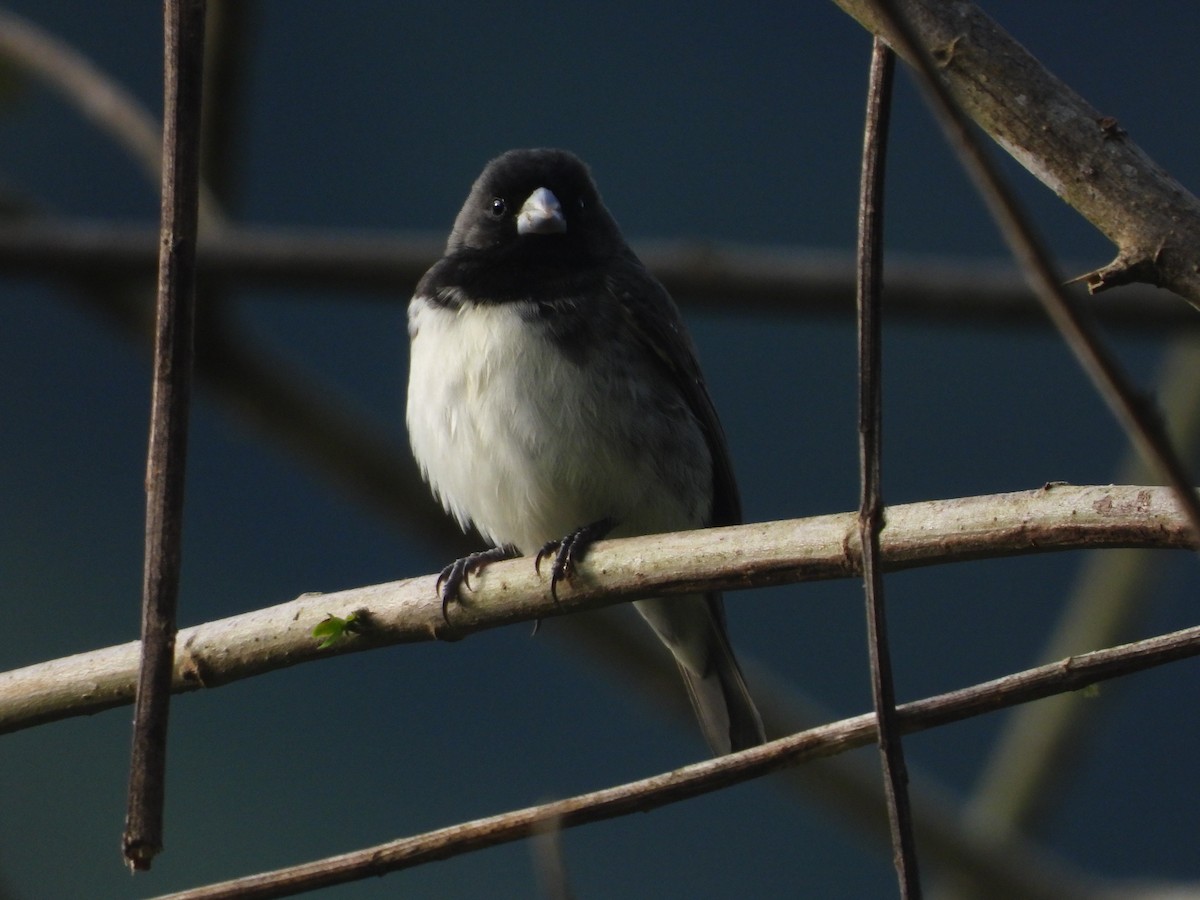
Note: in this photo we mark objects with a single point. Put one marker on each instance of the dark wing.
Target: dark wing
(717, 689)
(654, 320)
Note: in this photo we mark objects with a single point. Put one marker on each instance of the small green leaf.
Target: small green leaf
(329, 625)
(333, 629)
(330, 630)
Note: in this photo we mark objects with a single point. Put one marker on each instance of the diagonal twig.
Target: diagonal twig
(173, 351)
(700, 778)
(101, 99)
(1112, 593)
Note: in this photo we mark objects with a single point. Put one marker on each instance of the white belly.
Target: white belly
(523, 442)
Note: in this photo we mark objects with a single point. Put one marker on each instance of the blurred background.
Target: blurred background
(702, 123)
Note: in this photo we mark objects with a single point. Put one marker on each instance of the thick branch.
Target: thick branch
(918, 534)
(1081, 154)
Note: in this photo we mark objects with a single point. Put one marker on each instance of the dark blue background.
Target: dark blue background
(699, 120)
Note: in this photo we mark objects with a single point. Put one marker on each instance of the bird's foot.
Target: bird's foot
(459, 573)
(568, 550)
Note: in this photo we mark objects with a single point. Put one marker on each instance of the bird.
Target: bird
(555, 398)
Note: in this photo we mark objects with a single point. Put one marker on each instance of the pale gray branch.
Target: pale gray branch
(1057, 517)
(1081, 154)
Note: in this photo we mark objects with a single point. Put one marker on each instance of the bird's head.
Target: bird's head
(536, 204)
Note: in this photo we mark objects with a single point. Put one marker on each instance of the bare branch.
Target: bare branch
(167, 454)
(918, 534)
(779, 280)
(1010, 865)
(1081, 154)
(104, 102)
(100, 99)
(1007, 865)
(700, 778)
(1133, 411)
(870, 450)
(1112, 593)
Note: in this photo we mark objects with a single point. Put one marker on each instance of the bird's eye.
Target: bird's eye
(498, 207)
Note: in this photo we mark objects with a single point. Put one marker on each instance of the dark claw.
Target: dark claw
(459, 572)
(569, 550)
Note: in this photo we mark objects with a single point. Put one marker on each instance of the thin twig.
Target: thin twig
(744, 556)
(690, 781)
(229, 43)
(1112, 594)
(1134, 412)
(870, 433)
(101, 99)
(173, 351)
(847, 785)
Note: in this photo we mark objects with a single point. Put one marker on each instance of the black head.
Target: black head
(536, 204)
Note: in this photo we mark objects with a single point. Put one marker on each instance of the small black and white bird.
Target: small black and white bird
(554, 397)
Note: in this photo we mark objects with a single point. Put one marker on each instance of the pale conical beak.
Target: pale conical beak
(541, 213)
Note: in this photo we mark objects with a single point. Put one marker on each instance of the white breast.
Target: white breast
(523, 442)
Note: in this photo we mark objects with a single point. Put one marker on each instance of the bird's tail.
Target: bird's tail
(693, 628)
